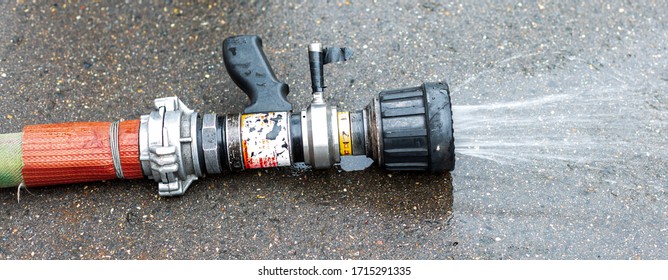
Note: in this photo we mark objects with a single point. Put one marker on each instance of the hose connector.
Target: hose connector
(168, 148)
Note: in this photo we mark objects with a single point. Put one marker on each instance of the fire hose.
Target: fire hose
(408, 129)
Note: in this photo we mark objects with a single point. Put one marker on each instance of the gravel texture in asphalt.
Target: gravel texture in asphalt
(561, 121)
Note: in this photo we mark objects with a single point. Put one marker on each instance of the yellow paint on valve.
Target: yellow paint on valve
(345, 143)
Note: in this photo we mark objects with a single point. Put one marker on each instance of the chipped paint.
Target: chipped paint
(265, 140)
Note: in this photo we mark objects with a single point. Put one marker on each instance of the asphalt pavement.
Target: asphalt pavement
(561, 121)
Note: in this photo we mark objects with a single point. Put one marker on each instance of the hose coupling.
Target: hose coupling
(168, 148)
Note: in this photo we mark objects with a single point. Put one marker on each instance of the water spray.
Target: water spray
(408, 129)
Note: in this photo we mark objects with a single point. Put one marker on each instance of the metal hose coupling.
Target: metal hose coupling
(168, 146)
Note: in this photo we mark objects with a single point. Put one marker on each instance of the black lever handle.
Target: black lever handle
(249, 69)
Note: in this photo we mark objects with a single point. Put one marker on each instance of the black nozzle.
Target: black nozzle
(415, 130)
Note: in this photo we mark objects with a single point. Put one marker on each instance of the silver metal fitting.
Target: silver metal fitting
(320, 134)
(210, 143)
(168, 146)
(235, 156)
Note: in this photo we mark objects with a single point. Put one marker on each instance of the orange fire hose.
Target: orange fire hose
(128, 144)
(78, 152)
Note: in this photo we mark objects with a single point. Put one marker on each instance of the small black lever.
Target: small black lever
(248, 67)
(318, 57)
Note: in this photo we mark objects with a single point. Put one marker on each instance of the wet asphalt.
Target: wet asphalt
(65, 62)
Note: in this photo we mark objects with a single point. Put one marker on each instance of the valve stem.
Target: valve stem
(316, 62)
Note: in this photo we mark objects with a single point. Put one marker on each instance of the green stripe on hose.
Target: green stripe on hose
(11, 161)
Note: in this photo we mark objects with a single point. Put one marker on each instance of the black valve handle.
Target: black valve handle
(249, 69)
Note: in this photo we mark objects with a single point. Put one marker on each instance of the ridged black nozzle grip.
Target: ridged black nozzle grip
(248, 67)
(417, 131)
